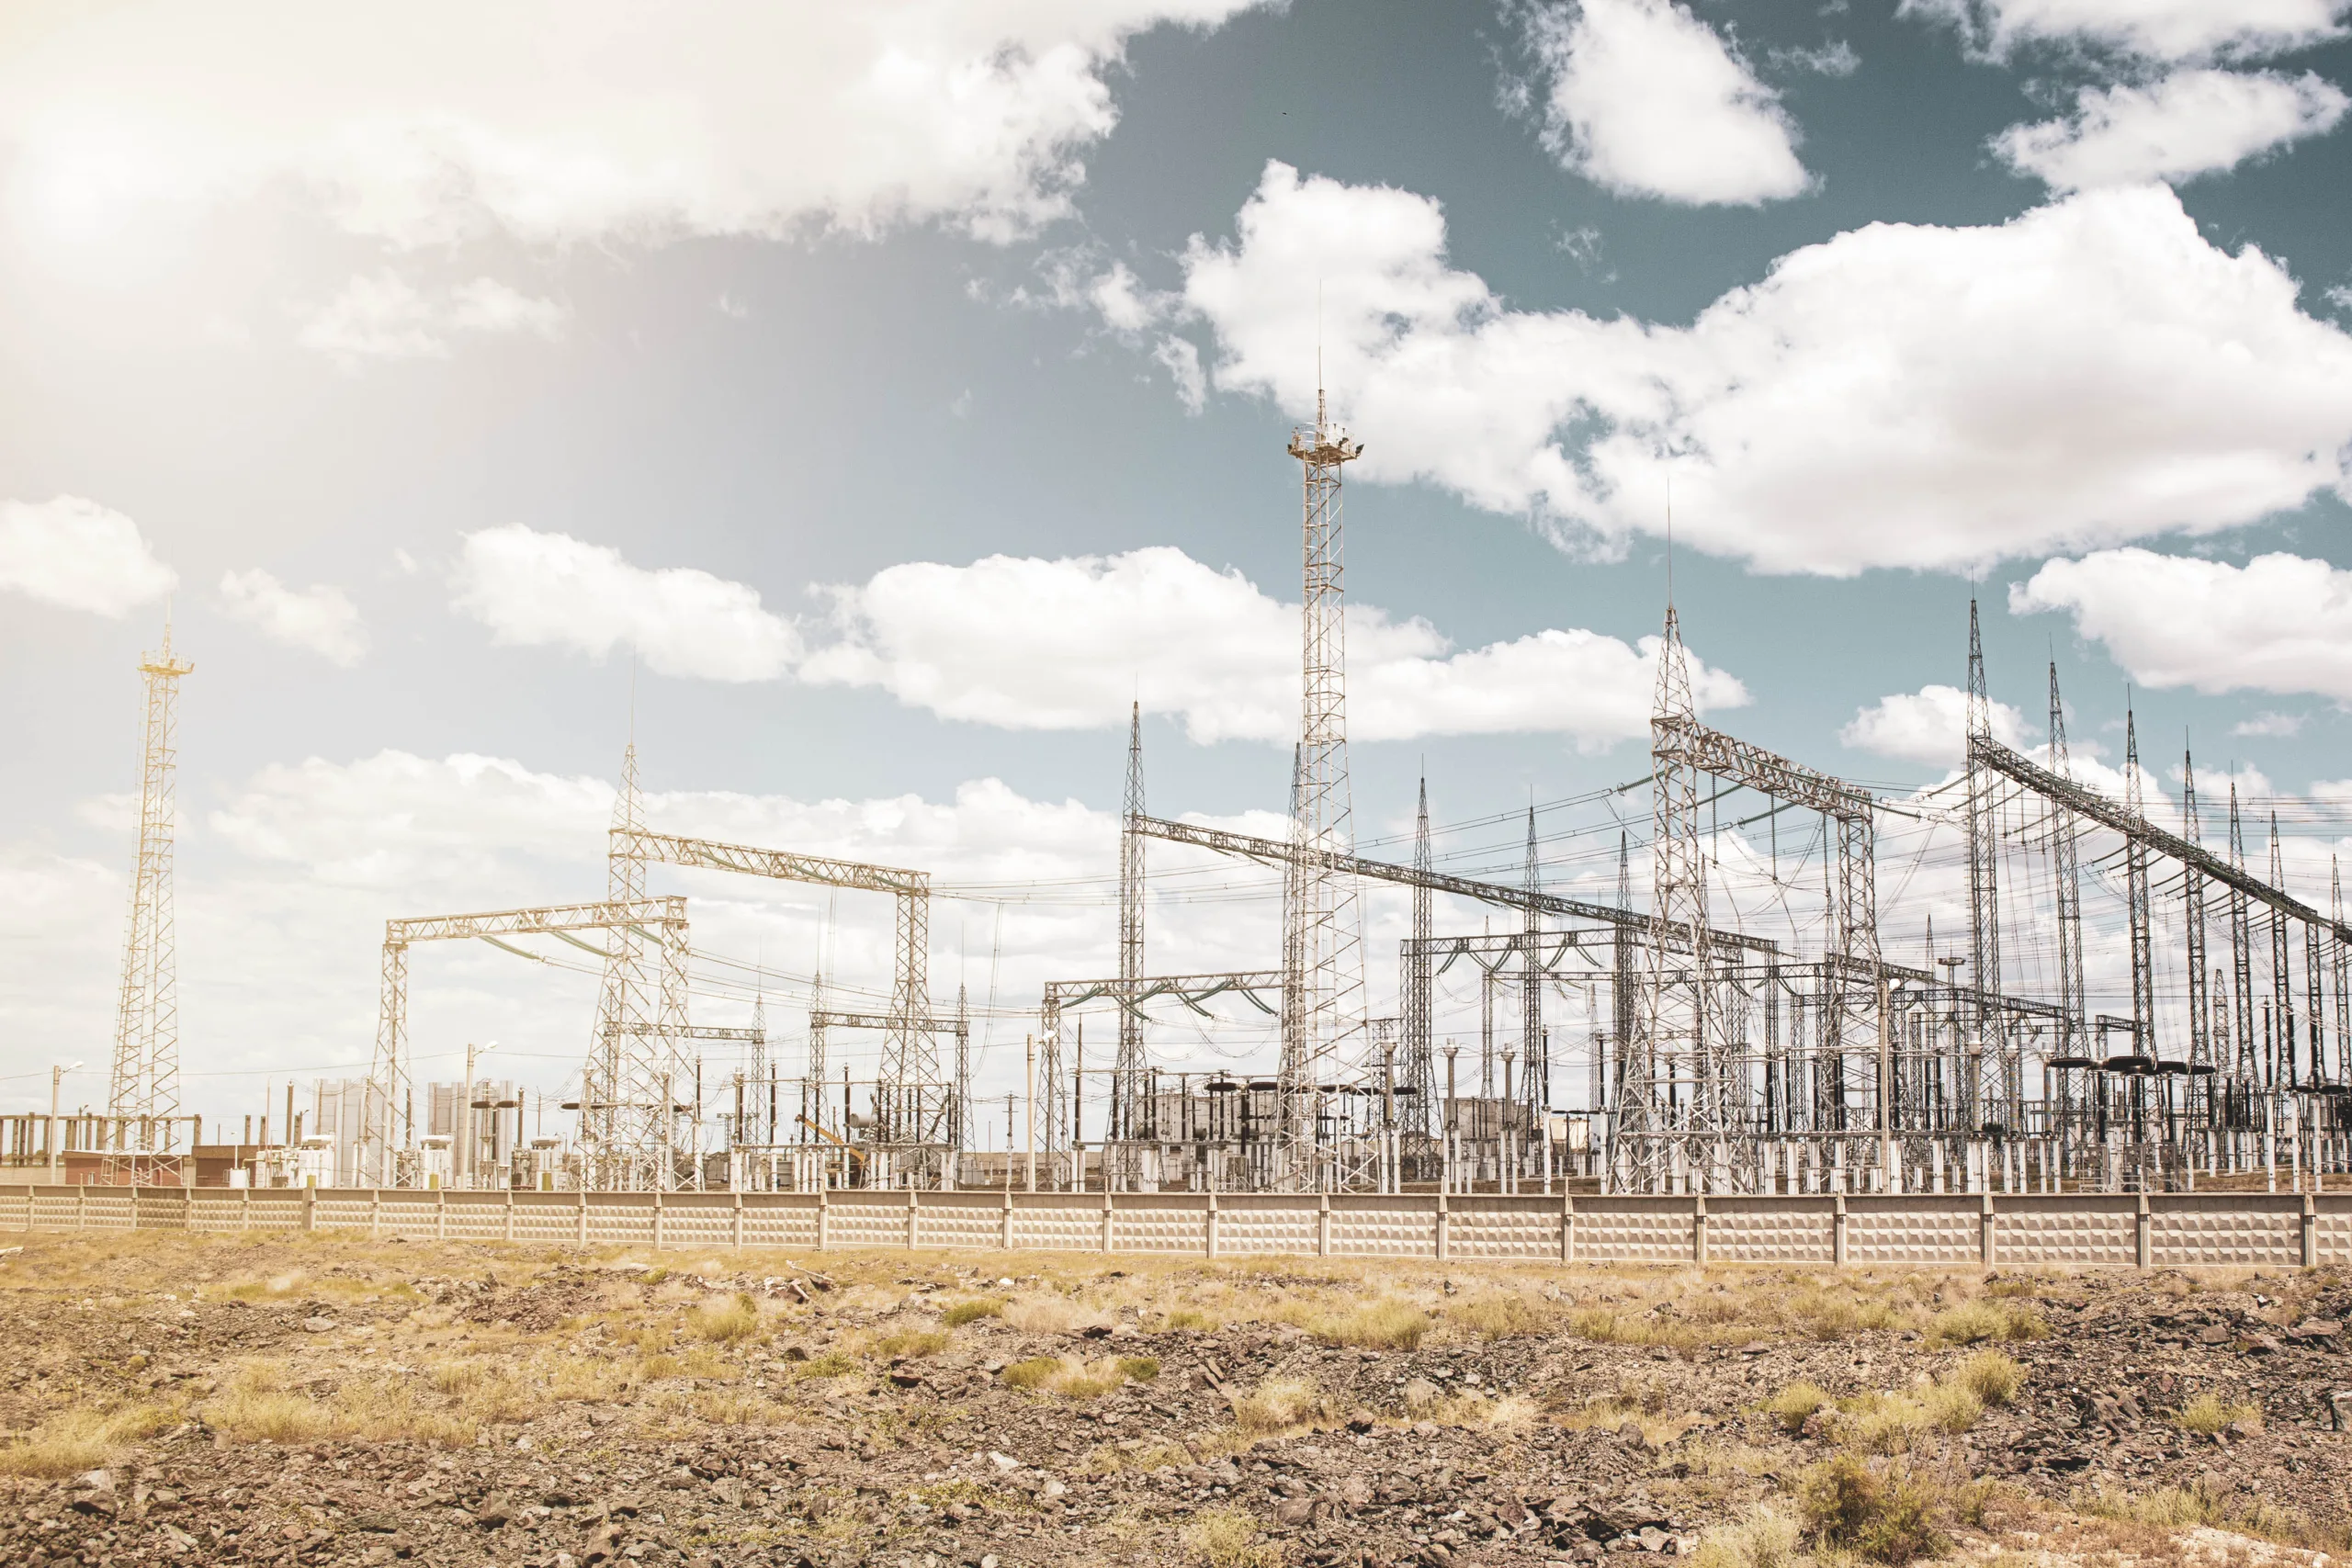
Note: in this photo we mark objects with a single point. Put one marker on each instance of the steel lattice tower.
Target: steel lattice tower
(1674, 1032)
(144, 1089)
(1984, 854)
(1128, 1112)
(2066, 871)
(628, 1118)
(2135, 892)
(1536, 1079)
(2247, 1066)
(1419, 1060)
(1328, 936)
(2200, 1038)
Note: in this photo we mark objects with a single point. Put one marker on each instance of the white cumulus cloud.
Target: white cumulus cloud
(383, 316)
(1032, 644)
(1928, 726)
(2154, 30)
(1908, 395)
(78, 554)
(1645, 98)
(321, 617)
(2280, 623)
(572, 120)
(2186, 124)
(551, 590)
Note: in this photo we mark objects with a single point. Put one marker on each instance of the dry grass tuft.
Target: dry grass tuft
(1992, 1376)
(1498, 1316)
(1050, 1315)
(83, 1439)
(912, 1344)
(1797, 1403)
(2208, 1413)
(971, 1310)
(1228, 1538)
(1034, 1373)
(1384, 1325)
(1883, 1515)
(725, 1319)
(1188, 1320)
(1510, 1413)
(2177, 1507)
(1973, 1323)
(1767, 1538)
(1277, 1404)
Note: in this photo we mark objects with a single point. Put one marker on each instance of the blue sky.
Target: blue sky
(890, 395)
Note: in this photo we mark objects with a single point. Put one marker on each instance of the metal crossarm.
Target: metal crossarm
(1271, 852)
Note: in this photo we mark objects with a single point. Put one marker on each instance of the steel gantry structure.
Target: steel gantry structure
(1684, 1111)
(628, 1122)
(913, 1102)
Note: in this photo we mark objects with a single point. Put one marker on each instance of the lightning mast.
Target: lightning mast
(145, 1089)
(1326, 934)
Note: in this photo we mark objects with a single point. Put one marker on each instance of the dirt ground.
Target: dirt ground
(326, 1400)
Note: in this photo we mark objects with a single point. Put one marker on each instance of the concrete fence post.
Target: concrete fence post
(309, 1208)
(506, 1224)
(1445, 1229)
(912, 1222)
(1838, 1230)
(825, 1220)
(1108, 1220)
(1699, 1229)
(661, 1216)
(374, 1212)
(735, 1219)
(440, 1213)
(1986, 1248)
(134, 1207)
(1005, 1240)
(1323, 1224)
(1213, 1237)
(1567, 1228)
(580, 1217)
(2310, 1232)
(2141, 1226)
(82, 1207)
(246, 1209)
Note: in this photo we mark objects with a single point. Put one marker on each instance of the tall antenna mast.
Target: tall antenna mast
(143, 1094)
(1326, 936)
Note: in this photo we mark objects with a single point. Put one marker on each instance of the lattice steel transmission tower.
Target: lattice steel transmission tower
(1675, 1030)
(1984, 854)
(143, 1094)
(2135, 897)
(1128, 1113)
(2066, 871)
(628, 1116)
(1419, 1060)
(2192, 887)
(1323, 917)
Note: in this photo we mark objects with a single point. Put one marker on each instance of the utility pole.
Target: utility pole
(56, 1079)
(1029, 1097)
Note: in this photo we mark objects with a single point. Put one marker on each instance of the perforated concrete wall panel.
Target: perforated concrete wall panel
(1383, 1231)
(1916, 1230)
(1161, 1227)
(1628, 1231)
(2068, 1233)
(2200, 1232)
(1769, 1234)
(1502, 1229)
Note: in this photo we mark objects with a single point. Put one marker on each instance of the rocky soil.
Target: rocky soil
(325, 1401)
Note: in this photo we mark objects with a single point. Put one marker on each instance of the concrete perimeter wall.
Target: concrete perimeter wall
(2171, 1230)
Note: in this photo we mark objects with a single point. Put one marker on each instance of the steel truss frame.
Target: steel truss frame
(628, 1116)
